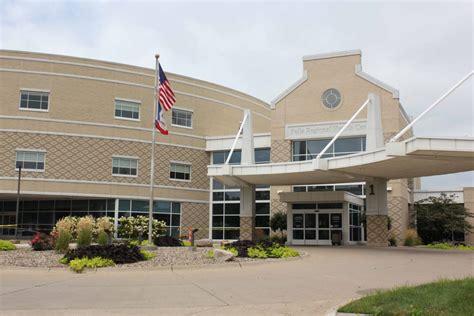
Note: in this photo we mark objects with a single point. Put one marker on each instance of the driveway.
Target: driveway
(313, 285)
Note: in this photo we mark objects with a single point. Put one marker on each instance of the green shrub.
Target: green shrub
(84, 228)
(464, 247)
(186, 243)
(63, 260)
(446, 246)
(278, 223)
(68, 224)
(210, 254)
(233, 250)
(104, 224)
(412, 239)
(78, 265)
(63, 240)
(443, 245)
(392, 241)
(260, 249)
(257, 252)
(282, 252)
(84, 237)
(103, 238)
(148, 254)
(135, 227)
(6, 245)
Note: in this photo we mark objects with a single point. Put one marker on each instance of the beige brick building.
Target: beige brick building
(81, 130)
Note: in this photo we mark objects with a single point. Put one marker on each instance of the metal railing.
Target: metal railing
(406, 128)
(236, 139)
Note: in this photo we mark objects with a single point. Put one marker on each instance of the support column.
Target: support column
(247, 193)
(377, 213)
(247, 212)
(376, 189)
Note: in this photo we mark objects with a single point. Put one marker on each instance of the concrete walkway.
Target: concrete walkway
(314, 285)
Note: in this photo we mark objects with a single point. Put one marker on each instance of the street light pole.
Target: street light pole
(17, 202)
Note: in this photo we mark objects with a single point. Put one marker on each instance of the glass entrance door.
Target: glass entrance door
(311, 228)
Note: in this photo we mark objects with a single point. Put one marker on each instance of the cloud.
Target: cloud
(421, 48)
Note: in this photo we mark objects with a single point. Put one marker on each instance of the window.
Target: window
(34, 100)
(41, 215)
(30, 160)
(127, 109)
(262, 155)
(180, 171)
(354, 188)
(225, 211)
(122, 166)
(168, 212)
(262, 211)
(182, 118)
(355, 229)
(331, 98)
(309, 149)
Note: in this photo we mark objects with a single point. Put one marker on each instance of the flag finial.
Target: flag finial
(157, 56)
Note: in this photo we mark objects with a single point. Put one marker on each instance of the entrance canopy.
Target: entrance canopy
(415, 157)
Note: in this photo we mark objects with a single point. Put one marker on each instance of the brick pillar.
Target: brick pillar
(247, 229)
(377, 232)
(377, 213)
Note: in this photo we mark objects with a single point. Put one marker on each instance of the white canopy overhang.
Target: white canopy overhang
(415, 157)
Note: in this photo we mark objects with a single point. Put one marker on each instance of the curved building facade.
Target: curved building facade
(81, 130)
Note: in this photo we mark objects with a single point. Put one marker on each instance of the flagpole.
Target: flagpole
(152, 163)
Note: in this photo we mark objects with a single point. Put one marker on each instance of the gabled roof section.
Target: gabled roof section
(358, 72)
(288, 90)
(375, 81)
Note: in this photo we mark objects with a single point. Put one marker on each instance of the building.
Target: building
(81, 130)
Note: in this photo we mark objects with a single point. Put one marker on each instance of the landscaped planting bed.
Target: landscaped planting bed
(26, 257)
(165, 257)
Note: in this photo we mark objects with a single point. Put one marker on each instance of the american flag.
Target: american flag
(166, 95)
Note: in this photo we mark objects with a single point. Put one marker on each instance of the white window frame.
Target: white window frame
(125, 175)
(175, 162)
(129, 101)
(33, 151)
(182, 110)
(34, 90)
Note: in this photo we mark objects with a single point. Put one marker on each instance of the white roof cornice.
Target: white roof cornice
(333, 54)
(288, 90)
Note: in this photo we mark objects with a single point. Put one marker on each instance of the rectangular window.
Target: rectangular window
(122, 166)
(127, 109)
(34, 100)
(309, 149)
(262, 155)
(182, 118)
(180, 171)
(30, 160)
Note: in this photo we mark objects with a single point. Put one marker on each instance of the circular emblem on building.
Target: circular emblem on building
(331, 98)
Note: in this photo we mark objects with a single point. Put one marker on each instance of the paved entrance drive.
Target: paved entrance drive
(313, 285)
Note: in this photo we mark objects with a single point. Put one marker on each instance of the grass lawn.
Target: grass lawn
(445, 297)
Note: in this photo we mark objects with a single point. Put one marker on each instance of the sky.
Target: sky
(420, 48)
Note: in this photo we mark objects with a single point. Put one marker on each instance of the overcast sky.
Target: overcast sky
(421, 48)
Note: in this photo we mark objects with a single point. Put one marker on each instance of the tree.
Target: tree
(440, 218)
(278, 222)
